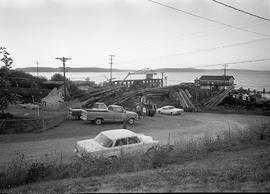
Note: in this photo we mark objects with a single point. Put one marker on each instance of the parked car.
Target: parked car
(114, 113)
(76, 112)
(112, 143)
(171, 110)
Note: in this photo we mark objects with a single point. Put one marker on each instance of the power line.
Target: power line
(191, 36)
(241, 10)
(208, 19)
(232, 63)
(202, 50)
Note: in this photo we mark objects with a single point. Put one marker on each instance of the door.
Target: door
(134, 146)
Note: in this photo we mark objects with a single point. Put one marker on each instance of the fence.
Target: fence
(9, 126)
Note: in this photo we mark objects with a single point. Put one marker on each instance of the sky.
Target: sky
(141, 34)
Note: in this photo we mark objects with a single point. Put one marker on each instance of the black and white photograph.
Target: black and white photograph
(134, 96)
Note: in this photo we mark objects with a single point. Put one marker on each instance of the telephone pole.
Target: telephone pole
(111, 58)
(37, 68)
(162, 73)
(225, 66)
(64, 59)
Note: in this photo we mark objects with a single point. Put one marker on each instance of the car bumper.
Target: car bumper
(83, 118)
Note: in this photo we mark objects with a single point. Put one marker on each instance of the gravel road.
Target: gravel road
(61, 140)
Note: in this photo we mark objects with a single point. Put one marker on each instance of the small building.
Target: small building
(214, 82)
(149, 80)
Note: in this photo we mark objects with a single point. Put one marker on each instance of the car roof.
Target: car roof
(113, 105)
(118, 133)
(167, 106)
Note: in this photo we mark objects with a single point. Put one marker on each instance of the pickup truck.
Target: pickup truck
(98, 106)
(114, 113)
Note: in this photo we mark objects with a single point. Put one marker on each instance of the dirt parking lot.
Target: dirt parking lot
(62, 139)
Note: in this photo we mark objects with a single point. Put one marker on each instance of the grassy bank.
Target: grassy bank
(172, 164)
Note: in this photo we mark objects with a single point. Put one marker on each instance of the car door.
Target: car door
(121, 146)
(110, 116)
(134, 146)
(118, 114)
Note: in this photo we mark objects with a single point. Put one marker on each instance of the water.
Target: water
(246, 79)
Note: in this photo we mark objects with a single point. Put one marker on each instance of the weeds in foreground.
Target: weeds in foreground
(20, 172)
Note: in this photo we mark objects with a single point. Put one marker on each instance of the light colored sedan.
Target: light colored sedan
(112, 143)
(170, 110)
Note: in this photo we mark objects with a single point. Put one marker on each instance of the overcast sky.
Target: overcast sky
(140, 34)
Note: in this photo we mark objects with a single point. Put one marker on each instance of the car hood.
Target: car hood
(89, 145)
(131, 113)
(178, 109)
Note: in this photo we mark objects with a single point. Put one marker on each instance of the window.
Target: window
(103, 140)
(118, 109)
(121, 142)
(132, 140)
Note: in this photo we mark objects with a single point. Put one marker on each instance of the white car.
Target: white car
(112, 143)
(171, 110)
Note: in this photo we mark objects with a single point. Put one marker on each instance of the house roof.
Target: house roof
(216, 77)
(118, 133)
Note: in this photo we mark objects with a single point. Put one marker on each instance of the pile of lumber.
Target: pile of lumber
(120, 95)
(101, 94)
(184, 97)
(214, 101)
(147, 92)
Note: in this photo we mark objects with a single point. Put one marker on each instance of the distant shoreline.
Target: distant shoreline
(96, 69)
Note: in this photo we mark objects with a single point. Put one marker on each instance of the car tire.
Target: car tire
(98, 121)
(151, 152)
(131, 121)
(172, 113)
(110, 161)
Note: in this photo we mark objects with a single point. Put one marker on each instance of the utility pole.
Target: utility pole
(111, 58)
(64, 59)
(165, 80)
(162, 73)
(37, 68)
(225, 66)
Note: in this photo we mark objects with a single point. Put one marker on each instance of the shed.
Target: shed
(215, 82)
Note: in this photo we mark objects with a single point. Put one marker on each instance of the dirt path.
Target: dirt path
(61, 140)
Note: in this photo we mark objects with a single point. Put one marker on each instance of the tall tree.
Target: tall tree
(5, 95)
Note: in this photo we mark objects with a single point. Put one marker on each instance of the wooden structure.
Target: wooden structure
(214, 82)
(214, 101)
(150, 83)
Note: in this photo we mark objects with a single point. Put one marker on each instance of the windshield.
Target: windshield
(103, 140)
(170, 107)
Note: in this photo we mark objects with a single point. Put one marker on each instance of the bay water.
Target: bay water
(257, 80)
